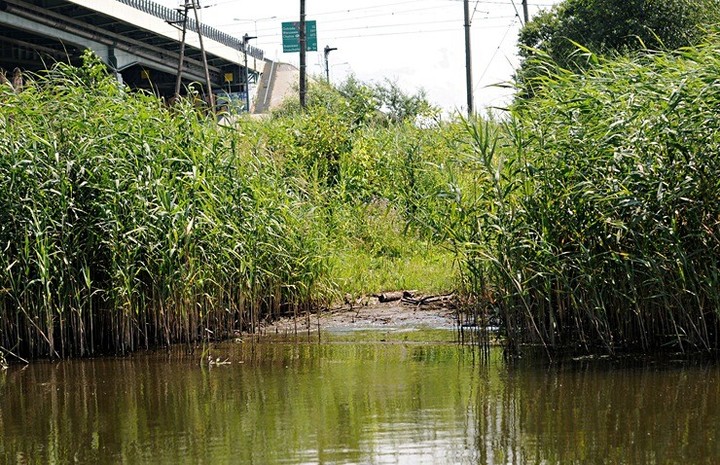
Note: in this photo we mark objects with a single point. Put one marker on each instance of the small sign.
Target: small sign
(291, 36)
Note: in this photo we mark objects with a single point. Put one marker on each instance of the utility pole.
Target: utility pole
(247, 38)
(303, 47)
(178, 80)
(468, 60)
(208, 82)
(525, 11)
(195, 5)
(328, 49)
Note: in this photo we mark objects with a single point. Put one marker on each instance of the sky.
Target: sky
(418, 44)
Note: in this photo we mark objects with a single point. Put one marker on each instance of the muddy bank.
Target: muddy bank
(370, 313)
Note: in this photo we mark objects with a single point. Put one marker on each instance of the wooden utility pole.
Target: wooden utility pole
(195, 5)
(178, 80)
(468, 61)
(303, 47)
(208, 82)
(525, 11)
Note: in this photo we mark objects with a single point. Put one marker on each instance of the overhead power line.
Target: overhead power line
(492, 58)
(389, 34)
(273, 32)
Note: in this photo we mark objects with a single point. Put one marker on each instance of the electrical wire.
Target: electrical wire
(396, 13)
(417, 23)
(380, 30)
(376, 27)
(475, 10)
(492, 58)
(386, 34)
(517, 13)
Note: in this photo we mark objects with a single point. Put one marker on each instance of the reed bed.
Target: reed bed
(125, 224)
(592, 222)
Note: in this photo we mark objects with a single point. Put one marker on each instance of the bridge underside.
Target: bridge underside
(37, 33)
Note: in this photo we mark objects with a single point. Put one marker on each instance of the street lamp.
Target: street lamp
(247, 38)
(328, 49)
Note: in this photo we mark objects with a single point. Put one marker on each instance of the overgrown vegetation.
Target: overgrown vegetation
(588, 218)
(595, 222)
(126, 224)
(574, 31)
(371, 170)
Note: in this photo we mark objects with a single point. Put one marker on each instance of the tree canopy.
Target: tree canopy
(613, 26)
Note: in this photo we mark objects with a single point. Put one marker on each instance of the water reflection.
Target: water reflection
(603, 412)
(357, 403)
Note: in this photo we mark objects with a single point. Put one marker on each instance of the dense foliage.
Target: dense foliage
(125, 223)
(608, 27)
(588, 218)
(597, 220)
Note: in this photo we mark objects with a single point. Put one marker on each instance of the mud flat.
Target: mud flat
(372, 314)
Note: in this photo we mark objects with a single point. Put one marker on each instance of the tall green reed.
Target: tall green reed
(593, 224)
(127, 224)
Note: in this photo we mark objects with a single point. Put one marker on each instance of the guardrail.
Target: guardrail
(170, 15)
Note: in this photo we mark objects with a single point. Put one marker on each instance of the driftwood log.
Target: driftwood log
(395, 295)
(408, 297)
(430, 299)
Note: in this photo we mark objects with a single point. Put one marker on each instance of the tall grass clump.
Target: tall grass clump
(593, 220)
(126, 224)
(371, 174)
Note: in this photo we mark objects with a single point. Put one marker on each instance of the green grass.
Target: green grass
(359, 272)
(374, 251)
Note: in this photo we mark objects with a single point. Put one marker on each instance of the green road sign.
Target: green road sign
(291, 36)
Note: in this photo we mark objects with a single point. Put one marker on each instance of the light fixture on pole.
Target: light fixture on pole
(247, 38)
(328, 49)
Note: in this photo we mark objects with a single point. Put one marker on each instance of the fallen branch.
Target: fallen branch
(395, 295)
(428, 299)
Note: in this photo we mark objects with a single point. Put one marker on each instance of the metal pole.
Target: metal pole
(208, 82)
(246, 40)
(182, 53)
(247, 78)
(468, 60)
(303, 46)
(525, 11)
(328, 49)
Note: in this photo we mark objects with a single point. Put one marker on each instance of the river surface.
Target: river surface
(304, 402)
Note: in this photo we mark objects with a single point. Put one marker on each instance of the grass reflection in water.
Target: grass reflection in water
(356, 402)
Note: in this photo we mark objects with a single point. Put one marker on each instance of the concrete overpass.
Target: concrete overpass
(138, 39)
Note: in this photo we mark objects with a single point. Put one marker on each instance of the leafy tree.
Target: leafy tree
(611, 26)
(362, 102)
(325, 130)
(400, 106)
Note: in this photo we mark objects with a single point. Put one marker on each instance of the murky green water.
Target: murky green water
(400, 403)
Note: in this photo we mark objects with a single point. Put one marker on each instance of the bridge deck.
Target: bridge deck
(136, 37)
